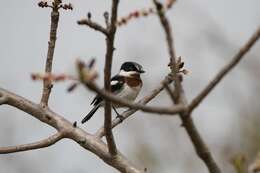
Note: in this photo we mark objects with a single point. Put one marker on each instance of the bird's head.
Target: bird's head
(130, 69)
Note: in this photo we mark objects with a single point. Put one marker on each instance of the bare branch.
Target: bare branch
(200, 147)
(225, 70)
(47, 85)
(198, 143)
(168, 30)
(170, 44)
(93, 25)
(97, 146)
(32, 146)
(43, 114)
(101, 132)
(107, 76)
(86, 140)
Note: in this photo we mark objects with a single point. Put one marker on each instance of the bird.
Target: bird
(126, 85)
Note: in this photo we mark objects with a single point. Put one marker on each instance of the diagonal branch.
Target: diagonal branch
(32, 146)
(180, 98)
(225, 70)
(47, 85)
(107, 76)
(101, 132)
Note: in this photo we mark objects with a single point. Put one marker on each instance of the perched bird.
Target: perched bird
(126, 85)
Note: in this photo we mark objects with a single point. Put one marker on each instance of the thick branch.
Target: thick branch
(225, 70)
(101, 132)
(86, 140)
(93, 25)
(32, 146)
(107, 76)
(47, 85)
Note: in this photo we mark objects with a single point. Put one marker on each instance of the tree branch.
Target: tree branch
(101, 132)
(170, 43)
(86, 140)
(32, 146)
(225, 70)
(107, 76)
(198, 143)
(47, 85)
(137, 106)
(93, 25)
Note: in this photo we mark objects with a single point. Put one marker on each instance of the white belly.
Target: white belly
(129, 93)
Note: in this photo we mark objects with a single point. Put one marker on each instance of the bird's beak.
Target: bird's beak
(141, 71)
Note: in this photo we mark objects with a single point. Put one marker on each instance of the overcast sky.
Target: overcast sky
(207, 34)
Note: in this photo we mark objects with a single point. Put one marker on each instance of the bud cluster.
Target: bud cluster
(55, 4)
(143, 13)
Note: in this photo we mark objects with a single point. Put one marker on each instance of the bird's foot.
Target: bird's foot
(120, 117)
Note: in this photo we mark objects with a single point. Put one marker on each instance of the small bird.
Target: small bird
(126, 85)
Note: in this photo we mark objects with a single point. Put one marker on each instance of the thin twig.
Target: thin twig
(143, 13)
(198, 143)
(93, 25)
(225, 70)
(101, 132)
(47, 85)
(32, 146)
(107, 75)
(170, 43)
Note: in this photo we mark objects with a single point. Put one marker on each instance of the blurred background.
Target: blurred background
(207, 34)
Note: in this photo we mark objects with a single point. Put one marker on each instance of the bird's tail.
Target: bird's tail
(90, 114)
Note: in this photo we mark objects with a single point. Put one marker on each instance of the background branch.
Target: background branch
(225, 70)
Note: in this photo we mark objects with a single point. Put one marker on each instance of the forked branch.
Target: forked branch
(84, 139)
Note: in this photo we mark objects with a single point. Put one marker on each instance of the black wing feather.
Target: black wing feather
(114, 88)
